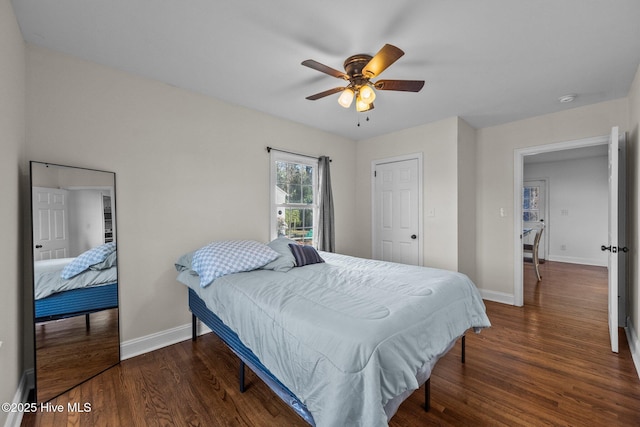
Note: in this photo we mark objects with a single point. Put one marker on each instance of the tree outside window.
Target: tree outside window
(294, 197)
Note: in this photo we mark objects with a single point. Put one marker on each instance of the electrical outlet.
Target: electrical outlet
(563, 247)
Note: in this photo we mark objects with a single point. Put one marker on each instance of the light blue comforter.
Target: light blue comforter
(348, 335)
(47, 280)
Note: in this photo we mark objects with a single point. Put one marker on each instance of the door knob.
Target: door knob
(38, 246)
(614, 249)
(413, 236)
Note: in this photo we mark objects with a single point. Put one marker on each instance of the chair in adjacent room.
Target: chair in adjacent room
(533, 250)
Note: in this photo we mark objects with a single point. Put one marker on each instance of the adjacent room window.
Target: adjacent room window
(530, 204)
(294, 196)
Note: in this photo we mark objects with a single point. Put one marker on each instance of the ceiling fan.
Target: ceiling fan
(359, 70)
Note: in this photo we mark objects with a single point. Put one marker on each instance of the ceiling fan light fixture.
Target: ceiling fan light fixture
(346, 98)
(367, 94)
(362, 106)
(359, 70)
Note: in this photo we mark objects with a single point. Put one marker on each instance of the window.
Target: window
(530, 205)
(294, 189)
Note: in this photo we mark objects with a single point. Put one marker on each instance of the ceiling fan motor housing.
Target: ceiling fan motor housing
(354, 64)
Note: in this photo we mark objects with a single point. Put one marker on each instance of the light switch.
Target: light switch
(502, 213)
(431, 212)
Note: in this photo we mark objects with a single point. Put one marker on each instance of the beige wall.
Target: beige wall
(189, 170)
(633, 202)
(12, 135)
(467, 199)
(495, 163)
(438, 143)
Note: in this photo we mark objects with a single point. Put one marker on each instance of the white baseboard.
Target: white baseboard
(500, 297)
(576, 260)
(14, 419)
(634, 344)
(142, 345)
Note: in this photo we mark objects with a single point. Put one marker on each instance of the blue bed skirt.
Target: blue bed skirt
(231, 339)
(76, 302)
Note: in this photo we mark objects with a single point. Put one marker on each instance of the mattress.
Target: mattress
(76, 302)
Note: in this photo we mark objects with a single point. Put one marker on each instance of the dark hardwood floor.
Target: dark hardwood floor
(547, 363)
(68, 352)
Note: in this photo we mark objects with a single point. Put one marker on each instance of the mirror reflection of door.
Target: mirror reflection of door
(50, 223)
(533, 214)
(75, 286)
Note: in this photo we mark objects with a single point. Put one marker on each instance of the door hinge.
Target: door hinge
(375, 174)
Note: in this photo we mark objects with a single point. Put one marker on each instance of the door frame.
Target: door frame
(518, 179)
(374, 164)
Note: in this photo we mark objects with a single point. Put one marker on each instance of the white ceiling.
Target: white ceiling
(489, 61)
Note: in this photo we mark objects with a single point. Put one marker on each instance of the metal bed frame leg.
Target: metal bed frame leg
(427, 385)
(87, 321)
(463, 348)
(241, 377)
(194, 327)
(427, 395)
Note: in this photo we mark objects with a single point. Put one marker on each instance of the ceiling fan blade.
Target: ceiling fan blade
(324, 69)
(403, 85)
(385, 57)
(325, 93)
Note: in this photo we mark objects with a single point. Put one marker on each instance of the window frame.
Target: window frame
(279, 156)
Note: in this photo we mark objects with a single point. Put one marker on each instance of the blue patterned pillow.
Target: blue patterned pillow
(87, 259)
(230, 256)
(305, 255)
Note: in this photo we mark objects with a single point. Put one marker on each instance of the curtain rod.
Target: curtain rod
(291, 152)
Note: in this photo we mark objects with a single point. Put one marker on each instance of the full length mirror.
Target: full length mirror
(75, 276)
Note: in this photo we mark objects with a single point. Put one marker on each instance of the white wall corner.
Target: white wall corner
(500, 297)
(634, 344)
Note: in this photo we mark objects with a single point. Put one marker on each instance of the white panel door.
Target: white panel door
(50, 223)
(613, 239)
(396, 212)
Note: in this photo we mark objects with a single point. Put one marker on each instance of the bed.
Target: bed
(343, 340)
(93, 288)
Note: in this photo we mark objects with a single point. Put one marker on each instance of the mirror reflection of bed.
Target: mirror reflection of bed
(75, 279)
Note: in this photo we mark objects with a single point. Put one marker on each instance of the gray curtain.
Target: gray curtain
(327, 237)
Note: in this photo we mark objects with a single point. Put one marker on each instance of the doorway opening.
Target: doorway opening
(519, 179)
(615, 219)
